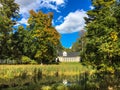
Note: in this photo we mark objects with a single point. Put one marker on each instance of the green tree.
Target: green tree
(79, 45)
(76, 47)
(102, 34)
(8, 12)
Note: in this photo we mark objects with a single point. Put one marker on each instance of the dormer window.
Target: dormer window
(64, 53)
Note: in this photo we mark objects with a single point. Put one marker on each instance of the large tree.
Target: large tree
(45, 36)
(8, 12)
(102, 38)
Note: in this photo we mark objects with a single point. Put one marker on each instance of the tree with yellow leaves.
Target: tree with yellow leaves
(45, 37)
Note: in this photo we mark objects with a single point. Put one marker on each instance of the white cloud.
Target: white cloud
(22, 21)
(91, 7)
(60, 19)
(27, 5)
(58, 2)
(53, 22)
(73, 22)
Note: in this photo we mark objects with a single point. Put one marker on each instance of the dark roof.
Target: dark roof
(70, 54)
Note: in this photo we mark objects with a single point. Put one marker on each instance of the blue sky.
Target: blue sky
(68, 16)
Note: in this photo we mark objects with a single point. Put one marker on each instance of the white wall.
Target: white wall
(69, 59)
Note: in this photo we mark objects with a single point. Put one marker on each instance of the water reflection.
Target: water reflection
(82, 81)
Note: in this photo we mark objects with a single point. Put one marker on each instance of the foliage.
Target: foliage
(23, 43)
(8, 10)
(102, 38)
(39, 41)
(46, 38)
(77, 46)
(27, 60)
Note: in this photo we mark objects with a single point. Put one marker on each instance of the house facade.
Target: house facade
(69, 57)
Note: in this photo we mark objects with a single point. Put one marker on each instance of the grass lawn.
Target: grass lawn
(11, 71)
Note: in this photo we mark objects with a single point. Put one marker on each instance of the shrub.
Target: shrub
(33, 62)
(27, 60)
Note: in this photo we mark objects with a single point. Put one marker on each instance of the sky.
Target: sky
(68, 16)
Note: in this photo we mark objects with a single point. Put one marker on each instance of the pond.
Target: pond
(72, 76)
(56, 82)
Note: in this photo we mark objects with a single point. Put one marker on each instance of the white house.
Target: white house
(69, 57)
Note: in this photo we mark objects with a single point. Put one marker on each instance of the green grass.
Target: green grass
(21, 76)
(11, 71)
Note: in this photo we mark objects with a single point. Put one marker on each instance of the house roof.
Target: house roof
(69, 54)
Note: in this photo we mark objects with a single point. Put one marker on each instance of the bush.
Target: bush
(33, 62)
(27, 60)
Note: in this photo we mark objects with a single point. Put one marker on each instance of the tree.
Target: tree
(45, 37)
(102, 34)
(22, 43)
(77, 46)
(8, 12)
